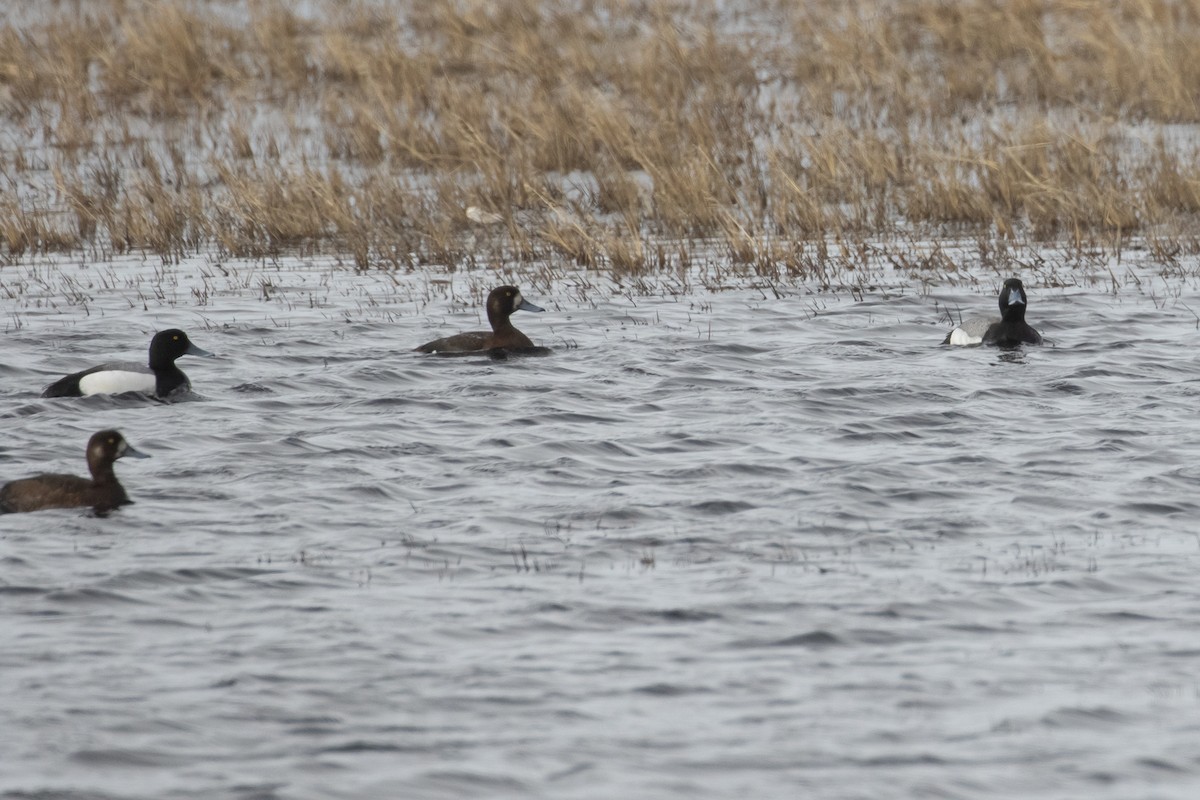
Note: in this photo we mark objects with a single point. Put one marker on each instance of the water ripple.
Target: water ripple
(737, 547)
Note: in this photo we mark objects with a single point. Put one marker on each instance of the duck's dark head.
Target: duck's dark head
(168, 345)
(1013, 300)
(106, 447)
(506, 300)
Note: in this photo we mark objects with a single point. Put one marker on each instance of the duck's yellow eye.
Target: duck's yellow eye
(176, 338)
(112, 441)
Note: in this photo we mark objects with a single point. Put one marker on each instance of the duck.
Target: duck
(502, 303)
(103, 492)
(1010, 330)
(160, 378)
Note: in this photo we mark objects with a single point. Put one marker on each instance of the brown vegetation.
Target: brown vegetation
(617, 135)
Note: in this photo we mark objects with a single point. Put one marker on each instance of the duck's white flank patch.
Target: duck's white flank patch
(115, 381)
(960, 337)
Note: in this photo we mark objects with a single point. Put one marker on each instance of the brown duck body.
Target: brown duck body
(501, 304)
(103, 492)
(478, 340)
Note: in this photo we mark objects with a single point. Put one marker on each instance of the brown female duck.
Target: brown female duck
(502, 303)
(103, 492)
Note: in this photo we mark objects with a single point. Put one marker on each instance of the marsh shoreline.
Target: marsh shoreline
(627, 138)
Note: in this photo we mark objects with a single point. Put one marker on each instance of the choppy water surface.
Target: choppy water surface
(717, 544)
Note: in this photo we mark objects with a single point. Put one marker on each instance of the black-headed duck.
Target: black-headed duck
(1009, 330)
(160, 377)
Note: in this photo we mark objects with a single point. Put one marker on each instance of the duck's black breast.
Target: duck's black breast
(1010, 334)
(169, 380)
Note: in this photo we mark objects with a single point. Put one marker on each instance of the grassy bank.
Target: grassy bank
(786, 139)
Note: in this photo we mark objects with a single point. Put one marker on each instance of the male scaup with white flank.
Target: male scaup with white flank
(1008, 331)
(502, 303)
(160, 378)
(103, 492)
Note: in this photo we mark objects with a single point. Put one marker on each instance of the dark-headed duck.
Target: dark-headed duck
(1009, 330)
(103, 492)
(160, 378)
(501, 304)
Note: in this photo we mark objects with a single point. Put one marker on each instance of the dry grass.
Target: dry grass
(608, 134)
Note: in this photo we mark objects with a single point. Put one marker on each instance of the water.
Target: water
(718, 543)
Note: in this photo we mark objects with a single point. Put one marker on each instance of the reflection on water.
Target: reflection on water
(714, 544)
(1013, 356)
